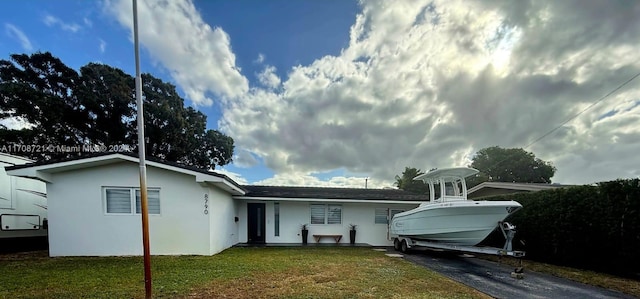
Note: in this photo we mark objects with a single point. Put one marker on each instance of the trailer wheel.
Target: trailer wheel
(404, 248)
(396, 244)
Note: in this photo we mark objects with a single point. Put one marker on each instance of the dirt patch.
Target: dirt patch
(28, 255)
(269, 285)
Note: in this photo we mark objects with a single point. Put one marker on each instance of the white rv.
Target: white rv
(23, 203)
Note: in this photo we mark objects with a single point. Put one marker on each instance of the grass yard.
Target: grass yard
(234, 273)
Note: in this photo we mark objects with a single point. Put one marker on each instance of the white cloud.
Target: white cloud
(102, 45)
(15, 32)
(244, 159)
(198, 56)
(232, 175)
(51, 21)
(87, 22)
(301, 179)
(428, 83)
(268, 77)
(421, 83)
(15, 123)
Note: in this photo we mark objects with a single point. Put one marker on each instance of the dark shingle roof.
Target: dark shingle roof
(332, 193)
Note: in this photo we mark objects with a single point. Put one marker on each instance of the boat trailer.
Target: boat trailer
(405, 243)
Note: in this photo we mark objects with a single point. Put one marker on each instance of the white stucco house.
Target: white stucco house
(93, 209)
(327, 211)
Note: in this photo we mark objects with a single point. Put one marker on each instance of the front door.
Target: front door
(255, 222)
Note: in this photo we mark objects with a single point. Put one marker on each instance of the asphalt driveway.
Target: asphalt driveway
(495, 279)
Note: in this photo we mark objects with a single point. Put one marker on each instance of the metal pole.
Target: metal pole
(141, 155)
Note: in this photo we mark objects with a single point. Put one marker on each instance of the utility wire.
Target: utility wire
(575, 116)
(583, 110)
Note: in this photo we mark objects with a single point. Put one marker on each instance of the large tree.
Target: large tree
(407, 183)
(39, 89)
(176, 133)
(97, 107)
(108, 95)
(510, 165)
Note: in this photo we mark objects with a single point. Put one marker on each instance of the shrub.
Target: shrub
(593, 227)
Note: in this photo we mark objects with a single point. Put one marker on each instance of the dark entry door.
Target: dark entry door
(255, 222)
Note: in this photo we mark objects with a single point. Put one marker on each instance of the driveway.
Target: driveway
(495, 279)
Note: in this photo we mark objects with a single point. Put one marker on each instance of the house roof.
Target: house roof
(42, 170)
(354, 194)
(512, 186)
(515, 186)
(13, 160)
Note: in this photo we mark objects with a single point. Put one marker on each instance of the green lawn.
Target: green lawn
(234, 273)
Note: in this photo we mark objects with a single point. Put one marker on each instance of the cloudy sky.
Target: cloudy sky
(332, 92)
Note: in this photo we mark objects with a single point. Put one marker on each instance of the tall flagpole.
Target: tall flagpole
(141, 155)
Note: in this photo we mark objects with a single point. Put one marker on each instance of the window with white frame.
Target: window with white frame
(381, 216)
(326, 214)
(127, 200)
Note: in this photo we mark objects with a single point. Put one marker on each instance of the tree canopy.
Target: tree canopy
(495, 164)
(97, 107)
(510, 165)
(407, 183)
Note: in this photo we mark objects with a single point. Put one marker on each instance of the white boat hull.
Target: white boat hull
(463, 222)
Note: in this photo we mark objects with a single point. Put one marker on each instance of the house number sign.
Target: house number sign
(206, 204)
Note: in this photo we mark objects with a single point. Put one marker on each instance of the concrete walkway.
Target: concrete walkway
(310, 244)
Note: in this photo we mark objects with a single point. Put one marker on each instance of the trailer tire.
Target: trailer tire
(404, 248)
(396, 244)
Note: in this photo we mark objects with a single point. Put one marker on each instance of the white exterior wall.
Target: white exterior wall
(223, 228)
(295, 213)
(241, 207)
(79, 225)
(292, 215)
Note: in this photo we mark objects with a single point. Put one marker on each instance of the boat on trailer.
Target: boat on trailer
(448, 217)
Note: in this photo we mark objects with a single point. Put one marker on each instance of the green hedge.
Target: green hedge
(593, 227)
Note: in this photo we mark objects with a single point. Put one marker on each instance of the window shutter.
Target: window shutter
(118, 201)
(335, 214)
(317, 214)
(153, 201)
(381, 216)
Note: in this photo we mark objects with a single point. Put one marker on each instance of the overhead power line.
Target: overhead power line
(575, 116)
(583, 110)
